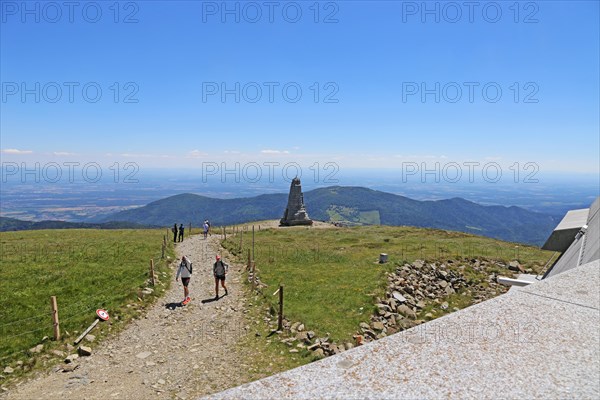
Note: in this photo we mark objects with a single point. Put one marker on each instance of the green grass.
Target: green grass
(85, 270)
(331, 276)
(370, 217)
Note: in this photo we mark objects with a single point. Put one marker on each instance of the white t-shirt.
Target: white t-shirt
(183, 269)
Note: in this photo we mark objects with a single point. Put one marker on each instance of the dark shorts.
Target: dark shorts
(185, 281)
(220, 277)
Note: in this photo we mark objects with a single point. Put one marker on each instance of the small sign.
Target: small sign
(102, 314)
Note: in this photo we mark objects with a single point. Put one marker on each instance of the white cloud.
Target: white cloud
(270, 151)
(136, 155)
(232, 152)
(140, 155)
(196, 154)
(16, 151)
(63, 153)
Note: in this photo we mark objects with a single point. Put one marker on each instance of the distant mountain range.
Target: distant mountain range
(353, 206)
(12, 224)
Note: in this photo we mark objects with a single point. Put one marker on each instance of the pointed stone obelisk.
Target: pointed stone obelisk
(295, 213)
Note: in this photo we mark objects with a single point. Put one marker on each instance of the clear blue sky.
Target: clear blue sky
(372, 55)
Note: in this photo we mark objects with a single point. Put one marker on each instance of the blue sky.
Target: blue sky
(375, 61)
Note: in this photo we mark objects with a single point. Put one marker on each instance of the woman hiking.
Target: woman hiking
(219, 271)
(185, 270)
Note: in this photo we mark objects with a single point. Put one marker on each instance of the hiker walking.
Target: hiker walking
(181, 228)
(185, 270)
(219, 271)
(174, 230)
(205, 228)
(207, 222)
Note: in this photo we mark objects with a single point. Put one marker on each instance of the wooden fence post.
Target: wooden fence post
(152, 271)
(249, 261)
(190, 230)
(55, 323)
(162, 253)
(241, 239)
(253, 275)
(280, 319)
(253, 242)
(224, 233)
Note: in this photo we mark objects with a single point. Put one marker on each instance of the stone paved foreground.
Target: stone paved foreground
(541, 341)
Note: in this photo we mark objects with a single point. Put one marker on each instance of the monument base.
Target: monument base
(295, 223)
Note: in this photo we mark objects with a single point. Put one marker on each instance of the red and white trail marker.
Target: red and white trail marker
(102, 315)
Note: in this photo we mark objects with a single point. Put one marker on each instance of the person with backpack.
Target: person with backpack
(181, 228)
(185, 270)
(219, 271)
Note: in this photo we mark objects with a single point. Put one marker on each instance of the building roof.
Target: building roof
(564, 233)
(584, 248)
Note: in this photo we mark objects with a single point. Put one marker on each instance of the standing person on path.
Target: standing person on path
(181, 228)
(174, 230)
(219, 271)
(185, 270)
(205, 229)
(207, 222)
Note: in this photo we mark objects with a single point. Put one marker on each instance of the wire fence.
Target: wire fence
(72, 316)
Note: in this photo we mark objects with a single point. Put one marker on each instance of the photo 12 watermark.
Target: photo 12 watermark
(468, 332)
(454, 12)
(69, 92)
(70, 12)
(270, 92)
(470, 92)
(268, 172)
(457, 249)
(61, 252)
(254, 12)
(68, 172)
(468, 172)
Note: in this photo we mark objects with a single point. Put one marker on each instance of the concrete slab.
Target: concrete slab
(581, 287)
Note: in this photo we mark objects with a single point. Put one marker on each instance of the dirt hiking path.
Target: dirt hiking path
(172, 352)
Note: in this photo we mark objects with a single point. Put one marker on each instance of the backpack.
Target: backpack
(220, 271)
(190, 268)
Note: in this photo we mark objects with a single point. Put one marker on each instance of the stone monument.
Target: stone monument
(295, 213)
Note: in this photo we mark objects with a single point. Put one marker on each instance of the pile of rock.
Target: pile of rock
(259, 284)
(414, 287)
(298, 338)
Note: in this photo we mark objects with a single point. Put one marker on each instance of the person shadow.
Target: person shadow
(173, 306)
(210, 300)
